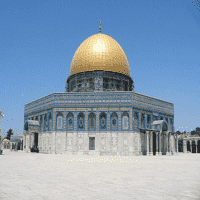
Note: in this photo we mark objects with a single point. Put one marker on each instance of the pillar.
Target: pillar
(160, 135)
(147, 145)
(184, 146)
(167, 152)
(151, 144)
(196, 145)
(177, 143)
(169, 141)
(156, 143)
(29, 148)
(190, 146)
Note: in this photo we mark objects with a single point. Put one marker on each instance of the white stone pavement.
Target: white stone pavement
(46, 176)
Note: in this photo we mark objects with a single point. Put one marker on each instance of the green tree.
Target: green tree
(178, 132)
(193, 132)
(9, 133)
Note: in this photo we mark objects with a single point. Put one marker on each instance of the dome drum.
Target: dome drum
(99, 81)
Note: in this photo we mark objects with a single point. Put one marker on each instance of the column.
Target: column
(29, 148)
(10, 146)
(156, 143)
(169, 140)
(196, 145)
(160, 135)
(177, 143)
(184, 146)
(24, 141)
(147, 145)
(190, 146)
(167, 153)
(151, 144)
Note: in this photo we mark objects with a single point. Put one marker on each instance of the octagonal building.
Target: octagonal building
(99, 112)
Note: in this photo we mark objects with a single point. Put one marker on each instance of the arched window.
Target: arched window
(164, 127)
(170, 124)
(59, 120)
(136, 120)
(50, 121)
(103, 121)
(142, 120)
(148, 121)
(125, 119)
(36, 118)
(114, 121)
(91, 121)
(41, 123)
(45, 122)
(70, 119)
(81, 121)
(26, 126)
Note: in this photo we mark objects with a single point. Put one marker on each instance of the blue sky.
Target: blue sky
(160, 38)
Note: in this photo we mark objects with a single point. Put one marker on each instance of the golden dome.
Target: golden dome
(100, 52)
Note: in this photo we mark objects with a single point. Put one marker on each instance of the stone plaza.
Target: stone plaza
(38, 176)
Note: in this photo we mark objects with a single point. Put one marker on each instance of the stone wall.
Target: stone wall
(108, 143)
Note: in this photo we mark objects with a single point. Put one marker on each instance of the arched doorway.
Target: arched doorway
(198, 146)
(188, 146)
(154, 143)
(180, 145)
(193, 147)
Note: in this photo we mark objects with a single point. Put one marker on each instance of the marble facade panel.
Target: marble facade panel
(108, 142)
(143, 143)
(74, 142)
(103, 142)
(59, 142)
(98, 142)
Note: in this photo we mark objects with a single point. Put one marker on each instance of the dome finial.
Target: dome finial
(99, 26)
